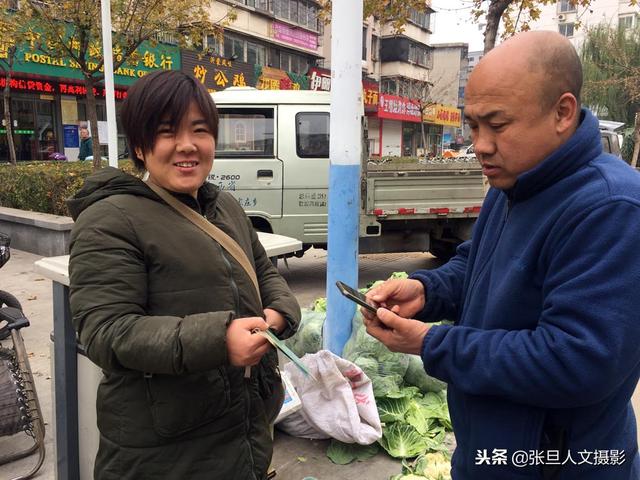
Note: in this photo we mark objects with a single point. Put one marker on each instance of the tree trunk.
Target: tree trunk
(8, 121)
(494, 14)
(636, 139)
(92, 113)
(11, 52)
(422, 131)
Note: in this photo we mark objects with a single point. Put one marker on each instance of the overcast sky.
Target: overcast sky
(452, 23)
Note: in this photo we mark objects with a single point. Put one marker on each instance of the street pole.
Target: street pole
(107, 50)
(344, 171)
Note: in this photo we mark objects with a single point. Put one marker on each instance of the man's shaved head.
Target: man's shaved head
(546, 53)
(522, 101)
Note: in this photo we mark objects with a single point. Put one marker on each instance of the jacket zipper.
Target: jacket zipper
(246, 381)
(495, 245)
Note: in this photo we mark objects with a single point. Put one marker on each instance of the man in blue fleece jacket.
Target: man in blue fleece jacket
(544, 353)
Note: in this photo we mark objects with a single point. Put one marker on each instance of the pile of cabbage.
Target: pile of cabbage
(411, 404)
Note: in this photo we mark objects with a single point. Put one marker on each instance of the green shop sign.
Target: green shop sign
(148, 59)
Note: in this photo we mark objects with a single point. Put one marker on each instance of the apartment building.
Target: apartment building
(573, 21)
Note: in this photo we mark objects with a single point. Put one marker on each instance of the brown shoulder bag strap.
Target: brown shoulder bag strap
(225, 241)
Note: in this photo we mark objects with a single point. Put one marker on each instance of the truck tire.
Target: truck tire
(443, 249)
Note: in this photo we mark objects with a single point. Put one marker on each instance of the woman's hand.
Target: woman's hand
(244, 348)
(275, 320)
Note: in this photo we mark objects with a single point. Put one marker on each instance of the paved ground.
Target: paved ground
(294, 459)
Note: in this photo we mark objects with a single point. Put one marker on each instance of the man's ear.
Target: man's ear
(567, 113)
(138, 152)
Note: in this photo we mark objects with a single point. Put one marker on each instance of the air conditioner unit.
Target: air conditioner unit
(562, 17)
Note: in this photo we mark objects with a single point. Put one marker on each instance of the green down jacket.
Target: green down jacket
(151, 297)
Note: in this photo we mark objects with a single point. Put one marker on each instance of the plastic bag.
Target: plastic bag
(338, 404)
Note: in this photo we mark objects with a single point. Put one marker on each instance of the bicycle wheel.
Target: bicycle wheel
(8, 300)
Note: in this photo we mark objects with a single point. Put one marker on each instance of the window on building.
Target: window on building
(234, 47)
(419, 54)
(566, 6)
(626, 21)
(389, 85)
(312, 135)
(256, 54)
(375, 48)
(302, 12)
(213, 46)
(421, 18)
(364, 43)
(245, 132)
(566, 29)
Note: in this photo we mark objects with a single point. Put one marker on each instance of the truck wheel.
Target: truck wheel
(443, 249)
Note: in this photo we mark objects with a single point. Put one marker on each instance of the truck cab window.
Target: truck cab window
(245, 132)
(312, 135)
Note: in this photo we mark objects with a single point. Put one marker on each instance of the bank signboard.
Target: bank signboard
(147, 58)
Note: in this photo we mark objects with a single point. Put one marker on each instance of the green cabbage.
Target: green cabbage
(415, 375)
(344, 453)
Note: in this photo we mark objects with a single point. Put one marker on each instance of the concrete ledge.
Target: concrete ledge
(35, 232)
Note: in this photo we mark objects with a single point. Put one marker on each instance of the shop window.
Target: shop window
(312, 135)
(245, 132)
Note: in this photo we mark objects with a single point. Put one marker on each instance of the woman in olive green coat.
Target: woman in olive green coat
(166, 312)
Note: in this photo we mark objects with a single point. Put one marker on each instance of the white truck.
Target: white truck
(272, 154)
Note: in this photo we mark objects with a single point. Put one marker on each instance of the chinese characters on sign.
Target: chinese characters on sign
(523, 458)
(52, 87)
(147, 58)
(314, 199)
(320, 79)
(295, 36)
(217, 73)
(398, 108)
(443, 115)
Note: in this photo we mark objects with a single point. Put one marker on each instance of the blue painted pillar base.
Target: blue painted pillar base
(342, 248)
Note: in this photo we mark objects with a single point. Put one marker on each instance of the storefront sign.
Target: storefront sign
(52, 87)
(398, 108)
(320, 79)
(294, 36)
(269, 78)
(443, 115)
(71, 137)
(217, 73)
(148, 58)
(370, 96)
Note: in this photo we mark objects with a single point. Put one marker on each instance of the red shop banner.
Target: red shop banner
(54, 87)
(398, 108)
(320, 79)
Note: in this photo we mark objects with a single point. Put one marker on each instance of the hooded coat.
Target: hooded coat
(151, 297)
(543, 357)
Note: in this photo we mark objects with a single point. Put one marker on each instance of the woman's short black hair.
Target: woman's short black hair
(161, 96)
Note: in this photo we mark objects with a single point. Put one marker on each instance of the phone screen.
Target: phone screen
(355, 296)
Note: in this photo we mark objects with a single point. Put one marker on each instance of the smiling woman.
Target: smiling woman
(166, 311)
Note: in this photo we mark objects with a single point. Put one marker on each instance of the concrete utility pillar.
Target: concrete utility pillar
(344, 172)
(107, 50)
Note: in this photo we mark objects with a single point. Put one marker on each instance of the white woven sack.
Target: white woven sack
(340, 404)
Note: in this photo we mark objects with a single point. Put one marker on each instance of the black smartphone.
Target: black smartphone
(355, 296)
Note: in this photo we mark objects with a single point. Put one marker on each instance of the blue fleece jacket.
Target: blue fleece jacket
(545, 348)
